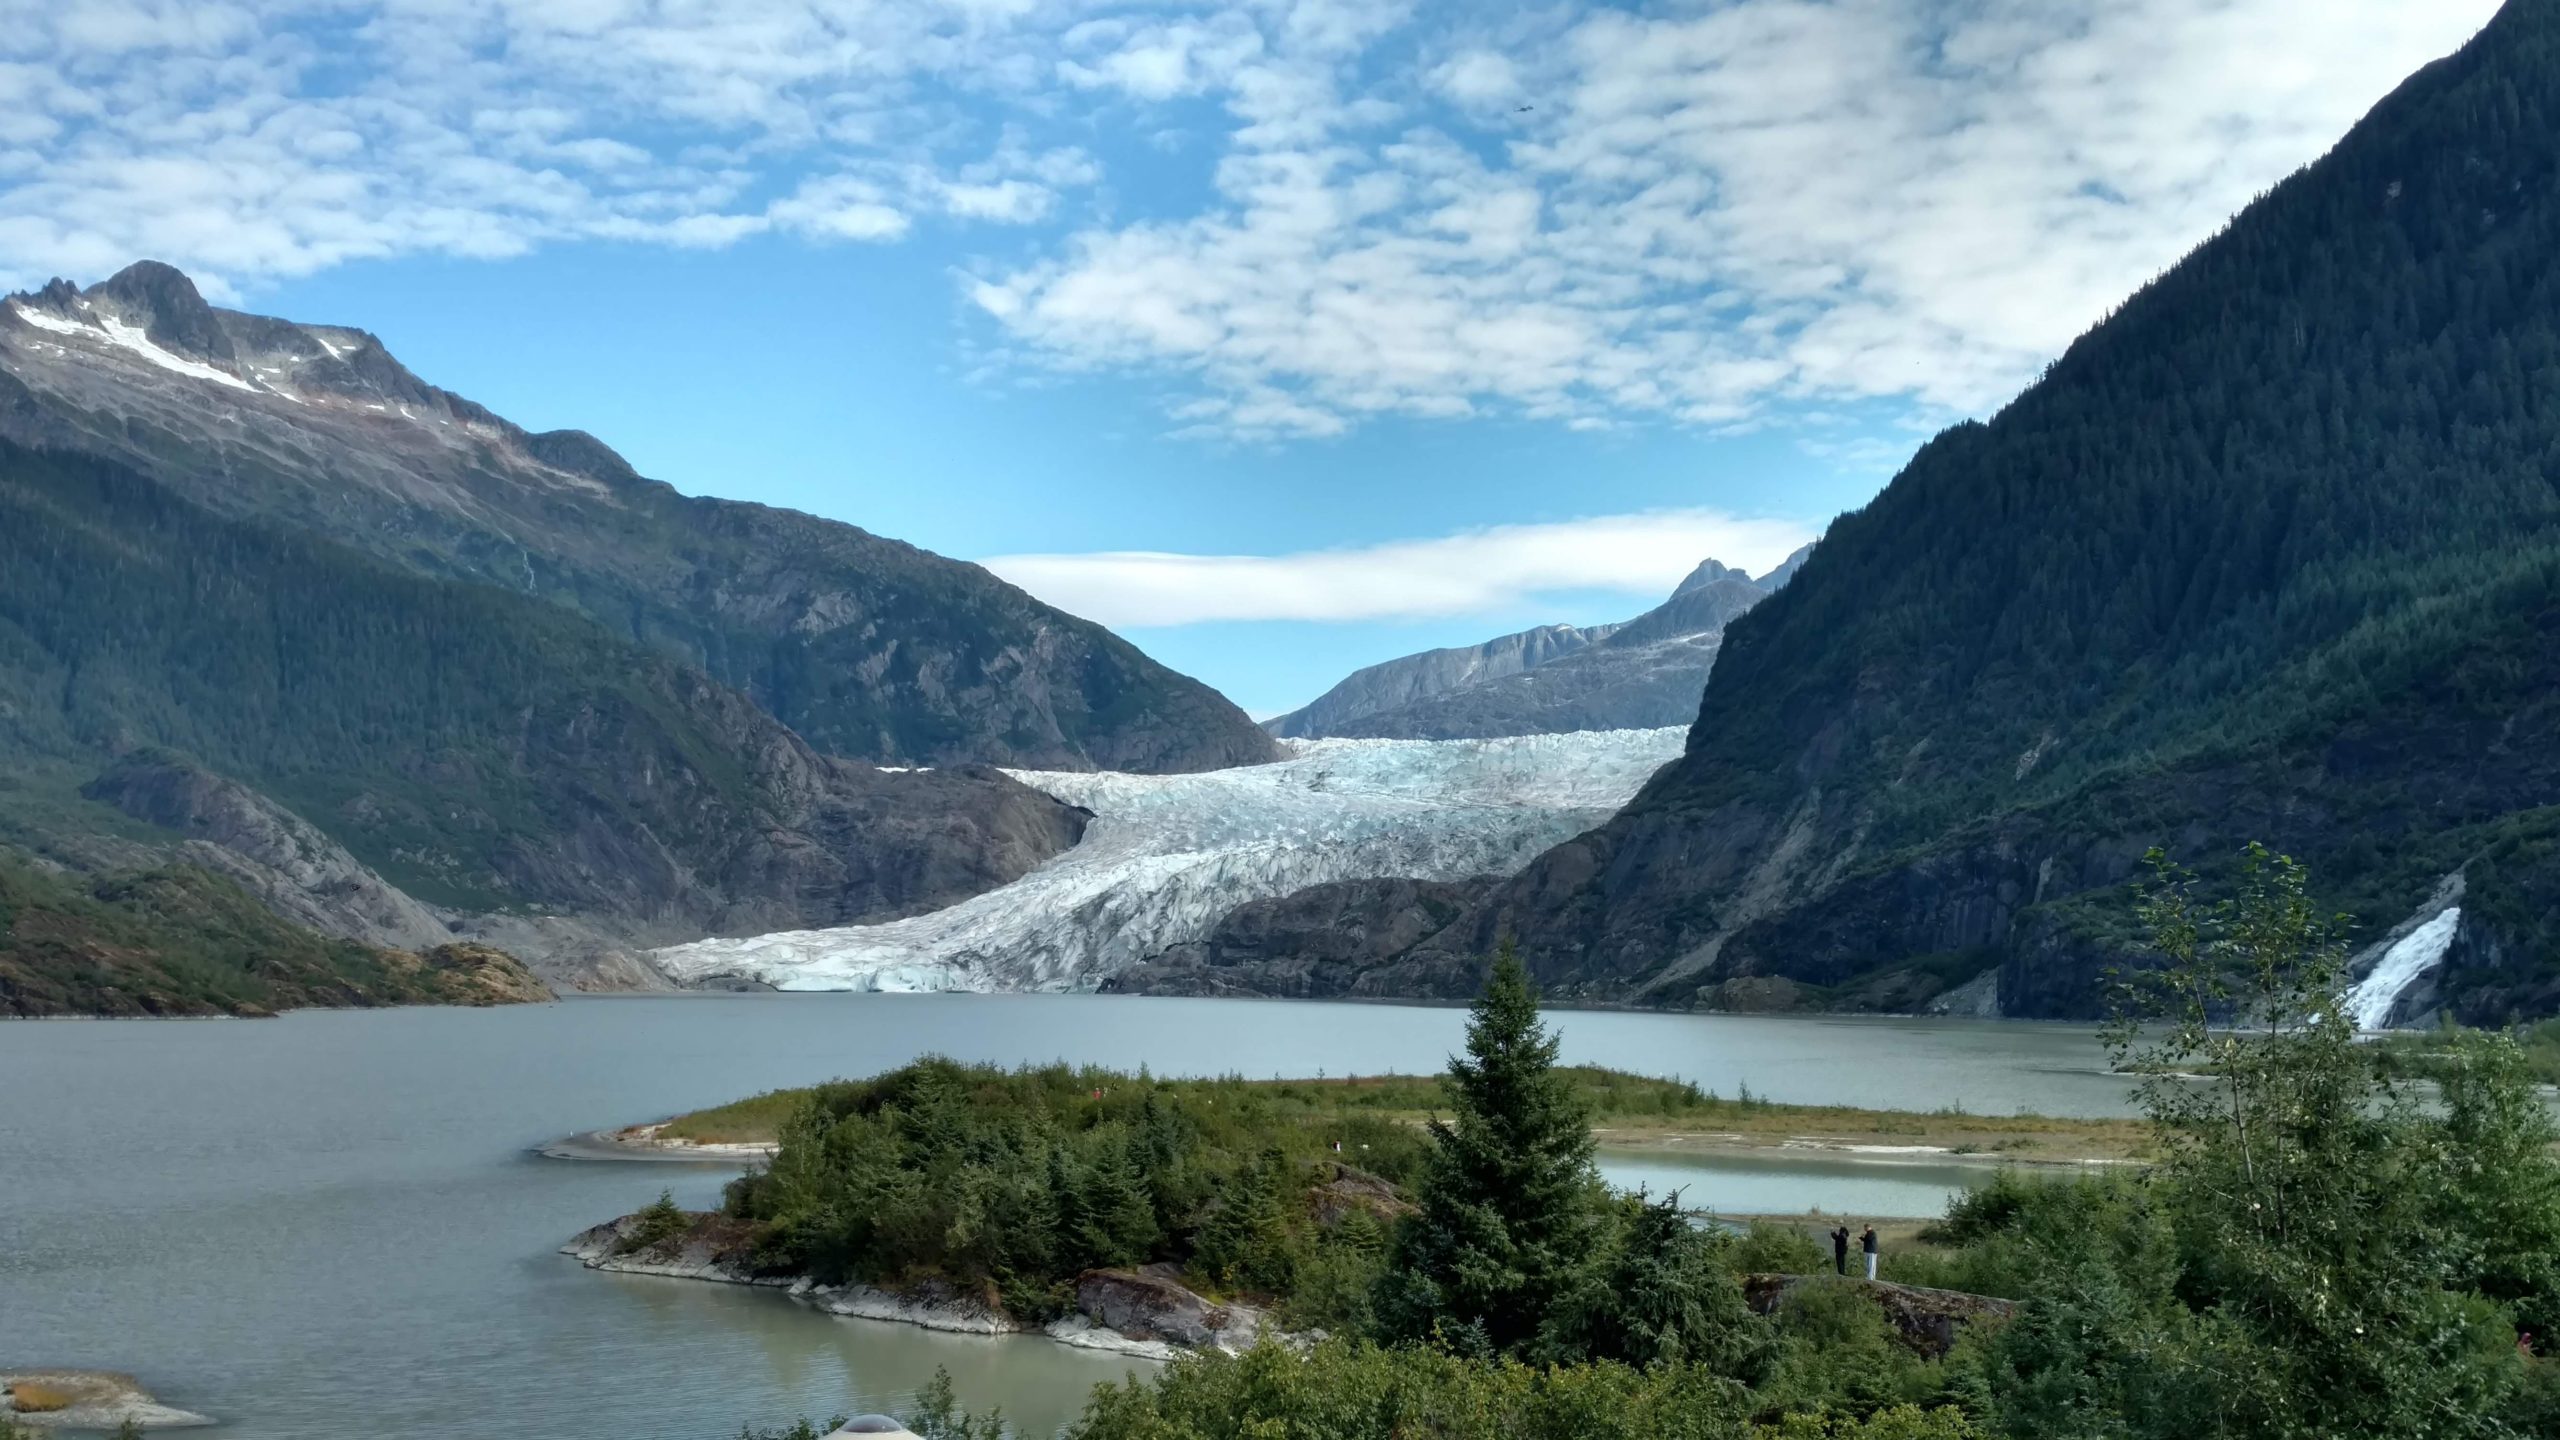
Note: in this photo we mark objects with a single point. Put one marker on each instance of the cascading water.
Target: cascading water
(1167, 856)
(2370, 1002)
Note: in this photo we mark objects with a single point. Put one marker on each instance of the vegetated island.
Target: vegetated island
(1151, 1215)
(180, 941)
(1628, 1112)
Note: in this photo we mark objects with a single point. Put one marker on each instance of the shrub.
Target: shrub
(661, 1222)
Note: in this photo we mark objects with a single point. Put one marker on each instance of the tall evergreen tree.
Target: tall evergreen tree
(1509, 1201)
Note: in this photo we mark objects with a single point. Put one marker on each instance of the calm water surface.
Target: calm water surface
(332, 1224)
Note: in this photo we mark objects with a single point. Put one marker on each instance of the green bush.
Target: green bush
(655, 1225)
(1344, 1390)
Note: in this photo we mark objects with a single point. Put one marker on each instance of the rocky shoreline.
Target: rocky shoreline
(1145, 1314)
(647, 1142)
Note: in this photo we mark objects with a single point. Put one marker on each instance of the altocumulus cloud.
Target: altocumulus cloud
(1466, 573)
(1684, 212)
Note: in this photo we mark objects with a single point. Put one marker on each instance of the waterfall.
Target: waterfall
(2412, 955)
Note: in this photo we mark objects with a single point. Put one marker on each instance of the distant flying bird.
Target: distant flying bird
(1525, 109)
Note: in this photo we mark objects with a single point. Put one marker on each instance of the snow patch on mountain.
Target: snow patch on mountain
(129, 337)
(1167, 856)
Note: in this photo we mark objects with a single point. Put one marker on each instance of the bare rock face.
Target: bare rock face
(1152, 1303)
(1349, 1190)
(1927, 1320)
(282, 859)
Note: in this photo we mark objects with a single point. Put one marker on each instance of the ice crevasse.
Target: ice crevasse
(1167, 856)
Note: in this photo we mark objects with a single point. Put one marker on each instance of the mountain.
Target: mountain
(2272, 553)
(397, 759)
(1637, 674)
(868, 648)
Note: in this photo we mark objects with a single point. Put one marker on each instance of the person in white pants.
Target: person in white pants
(1867, 1242)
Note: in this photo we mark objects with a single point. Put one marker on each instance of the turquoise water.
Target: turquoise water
(334, 1223)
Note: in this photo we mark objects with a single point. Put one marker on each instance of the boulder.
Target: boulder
(1347, 1189)
(1152, 1303)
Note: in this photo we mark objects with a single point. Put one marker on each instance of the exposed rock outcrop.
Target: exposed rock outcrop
(1927, 1320)
(1152, 1303)
(1147, 1312)
(1349, 1190)
(276, 855)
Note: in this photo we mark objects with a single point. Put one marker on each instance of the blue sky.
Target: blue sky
(1282, 335)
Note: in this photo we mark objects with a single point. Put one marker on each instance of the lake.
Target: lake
(334, 1223)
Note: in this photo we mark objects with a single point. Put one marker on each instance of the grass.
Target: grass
(31, 1398)
(1632, 1111)
(756, 1120)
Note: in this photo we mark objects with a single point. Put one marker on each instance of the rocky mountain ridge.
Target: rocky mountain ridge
(1631, 675)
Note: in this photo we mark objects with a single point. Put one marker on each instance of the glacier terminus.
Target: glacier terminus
(1167, 856)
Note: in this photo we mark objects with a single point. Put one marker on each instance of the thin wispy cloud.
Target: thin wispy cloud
(1678, 213)
(1473, 572)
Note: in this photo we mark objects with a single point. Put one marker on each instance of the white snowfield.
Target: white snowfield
(1167, 856)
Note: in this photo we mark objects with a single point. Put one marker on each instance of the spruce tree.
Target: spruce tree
(1509, 1198)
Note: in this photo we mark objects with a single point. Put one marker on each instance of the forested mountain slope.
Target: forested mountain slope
(868, 647)
(2272, 553)
(482, 752)
(178, 941)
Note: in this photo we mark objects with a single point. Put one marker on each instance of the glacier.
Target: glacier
(1167, 856)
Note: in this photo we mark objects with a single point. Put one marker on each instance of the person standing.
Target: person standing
(1840, 1248)
(1867, 1242)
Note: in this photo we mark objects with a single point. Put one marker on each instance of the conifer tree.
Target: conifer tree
(1509, 1200)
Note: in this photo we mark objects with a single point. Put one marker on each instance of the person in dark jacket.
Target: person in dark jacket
(1867, 1242)
(1840, 1248)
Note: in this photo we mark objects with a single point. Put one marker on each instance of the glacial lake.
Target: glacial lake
(334, 1223)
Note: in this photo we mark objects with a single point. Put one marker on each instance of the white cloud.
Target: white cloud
(248, 143)
(1163, 60)
(1591, 215)
(1692, 215)
(1478, 570)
